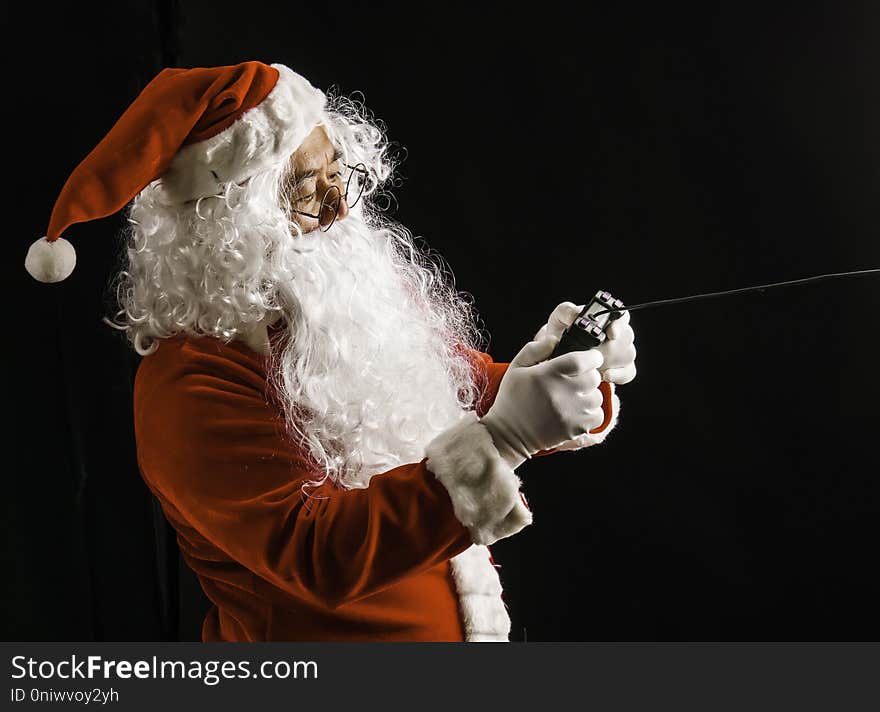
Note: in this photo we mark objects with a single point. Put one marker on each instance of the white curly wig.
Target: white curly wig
(360, 394)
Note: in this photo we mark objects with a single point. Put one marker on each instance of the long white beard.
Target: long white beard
(369, 374)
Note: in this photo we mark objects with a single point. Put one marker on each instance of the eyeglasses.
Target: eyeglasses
(333, 197)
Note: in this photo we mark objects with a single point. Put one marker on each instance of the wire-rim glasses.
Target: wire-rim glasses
(333, 190)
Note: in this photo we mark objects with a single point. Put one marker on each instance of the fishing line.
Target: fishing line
(588, 330)
(742, 290)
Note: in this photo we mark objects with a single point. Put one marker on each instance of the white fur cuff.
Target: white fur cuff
(485, 492)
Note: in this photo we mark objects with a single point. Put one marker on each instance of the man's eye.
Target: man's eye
(305, 198)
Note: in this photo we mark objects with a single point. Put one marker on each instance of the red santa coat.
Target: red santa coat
(403, 559)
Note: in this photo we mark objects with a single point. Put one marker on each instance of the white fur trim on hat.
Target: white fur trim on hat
(50, 261)
(258, 139)
(484, 490)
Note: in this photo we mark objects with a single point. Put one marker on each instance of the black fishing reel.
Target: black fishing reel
(588, 330)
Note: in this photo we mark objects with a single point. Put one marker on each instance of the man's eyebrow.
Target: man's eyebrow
(303, 177)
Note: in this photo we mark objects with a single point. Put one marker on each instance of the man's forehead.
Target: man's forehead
(314, 152)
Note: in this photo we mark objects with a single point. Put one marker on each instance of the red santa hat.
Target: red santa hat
(196, 129)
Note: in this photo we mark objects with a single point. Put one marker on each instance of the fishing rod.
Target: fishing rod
(588, 329)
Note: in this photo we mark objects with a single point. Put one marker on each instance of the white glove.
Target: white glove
(618, 349)
(559, 320)
(541, 404)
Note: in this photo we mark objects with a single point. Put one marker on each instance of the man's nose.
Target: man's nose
(333, 198)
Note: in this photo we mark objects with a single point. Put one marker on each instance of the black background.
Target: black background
(551, 150)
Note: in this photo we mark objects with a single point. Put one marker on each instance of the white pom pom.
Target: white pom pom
(50, 261)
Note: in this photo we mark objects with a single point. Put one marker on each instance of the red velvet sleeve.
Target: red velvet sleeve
(209, 447)
(489, 375)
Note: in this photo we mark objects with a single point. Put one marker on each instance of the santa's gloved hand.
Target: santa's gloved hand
(541, 404)
(559, 320)
(618, 349)
(619, 352)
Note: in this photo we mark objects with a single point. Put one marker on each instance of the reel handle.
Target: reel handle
(587, 331)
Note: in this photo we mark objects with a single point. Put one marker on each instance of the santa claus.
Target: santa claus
(313, 410)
